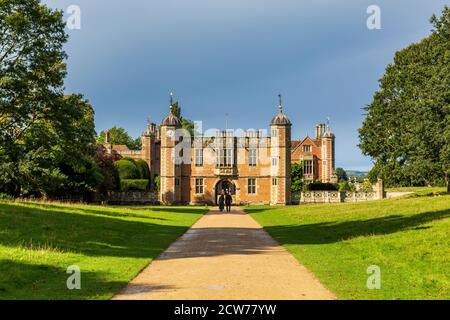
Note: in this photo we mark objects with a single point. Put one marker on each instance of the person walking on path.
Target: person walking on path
(228, 201)
(222, 201)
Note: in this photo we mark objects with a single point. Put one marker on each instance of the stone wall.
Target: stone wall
(337, 196)
(131, 198)
(348, 196)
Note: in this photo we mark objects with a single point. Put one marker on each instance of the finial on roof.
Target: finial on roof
(171, 103)
(171, 99)
(280, 104)
(280, 118)
(328, 123)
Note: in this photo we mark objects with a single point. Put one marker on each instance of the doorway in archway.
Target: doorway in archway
(225, 185)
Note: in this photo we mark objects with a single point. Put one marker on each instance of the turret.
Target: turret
(280, 152)
(148, 140)
(170, 171)
(328, 155)
(107, 144)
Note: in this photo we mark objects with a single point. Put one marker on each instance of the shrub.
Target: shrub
(296, 177)
(366, 186)
(129, 159)
(134, 184)
(318, 186)
(143, 168)
(157, 183)
(345, 186)
(4, 196)
(127, 170)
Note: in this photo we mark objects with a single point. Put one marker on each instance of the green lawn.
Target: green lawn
(419, 191)
(109, 244)
(408, 238)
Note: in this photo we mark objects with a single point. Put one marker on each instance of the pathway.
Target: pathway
(225, 256)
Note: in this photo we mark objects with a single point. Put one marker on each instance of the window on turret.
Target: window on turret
(274, 133)
(274, 161)
(252, 157)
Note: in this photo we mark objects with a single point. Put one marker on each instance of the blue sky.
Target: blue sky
(235, 57)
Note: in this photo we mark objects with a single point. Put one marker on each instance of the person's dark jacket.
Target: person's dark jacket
(228, 199)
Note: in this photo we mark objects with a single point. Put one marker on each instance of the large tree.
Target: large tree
(185, 123)
(341, 175)
(45, 136)
(119, 135)
(407, 127)
(32, 66)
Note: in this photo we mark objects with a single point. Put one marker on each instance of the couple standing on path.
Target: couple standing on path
(225, 199)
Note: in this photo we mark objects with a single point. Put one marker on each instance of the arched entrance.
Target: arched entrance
(226, 186)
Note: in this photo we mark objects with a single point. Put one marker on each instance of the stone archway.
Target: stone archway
(225, 185)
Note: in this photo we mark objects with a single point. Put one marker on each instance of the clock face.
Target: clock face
(169, 133)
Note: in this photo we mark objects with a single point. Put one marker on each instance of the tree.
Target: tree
(45, 136)
(119, 135)
(341, 175)
(54, 156)
(31, 77)
(407, 127)
(105, 162)
(32, 66)
(185, 123)
(296, 177)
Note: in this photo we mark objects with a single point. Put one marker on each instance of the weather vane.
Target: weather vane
(280, 103)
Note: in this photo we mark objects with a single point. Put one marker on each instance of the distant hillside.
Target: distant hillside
(355, 173)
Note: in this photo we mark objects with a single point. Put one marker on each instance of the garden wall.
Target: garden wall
(131, 198)
(343, 196)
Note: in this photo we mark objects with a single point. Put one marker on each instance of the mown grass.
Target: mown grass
(408, 238)
(38, 242)
(419, 191)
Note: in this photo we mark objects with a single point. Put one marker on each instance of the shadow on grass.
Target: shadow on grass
(145, 211)
(185, 209)
(43, 282)
(91, 235)
(331, 232)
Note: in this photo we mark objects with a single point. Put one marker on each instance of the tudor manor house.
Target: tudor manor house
(254, 167)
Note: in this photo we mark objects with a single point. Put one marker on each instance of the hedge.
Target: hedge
(127, 170)
(143, 169)
(318, 186)
(134, 184)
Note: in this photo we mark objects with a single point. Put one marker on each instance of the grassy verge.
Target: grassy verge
(419, 191)
(408, 238)
(109, 244)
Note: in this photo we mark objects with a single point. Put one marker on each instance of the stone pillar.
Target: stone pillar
(379, 190)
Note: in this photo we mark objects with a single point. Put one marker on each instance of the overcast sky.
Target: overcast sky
(235, 57)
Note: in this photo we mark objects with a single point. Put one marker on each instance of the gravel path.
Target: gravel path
(225, 256)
